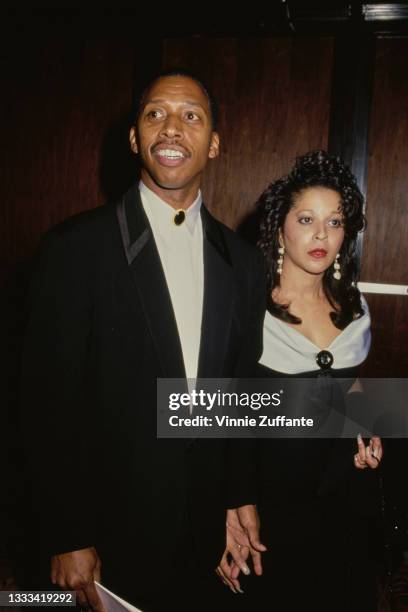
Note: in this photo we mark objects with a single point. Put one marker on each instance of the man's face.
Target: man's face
(174, 135)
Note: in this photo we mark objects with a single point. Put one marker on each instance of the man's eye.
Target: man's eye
(192, 116)
(154, 114)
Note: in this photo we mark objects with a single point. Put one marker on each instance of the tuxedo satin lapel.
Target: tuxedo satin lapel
(147, 272)
(218, 300)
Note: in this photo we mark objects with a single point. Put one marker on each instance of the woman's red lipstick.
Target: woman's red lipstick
(318, 253)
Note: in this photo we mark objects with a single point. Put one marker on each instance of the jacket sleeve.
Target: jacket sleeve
(54, 419)
(242, 454)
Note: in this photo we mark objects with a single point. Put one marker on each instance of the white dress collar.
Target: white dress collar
(161, 214)
(288, 351)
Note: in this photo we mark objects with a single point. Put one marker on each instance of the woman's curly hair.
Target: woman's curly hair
(315, 169)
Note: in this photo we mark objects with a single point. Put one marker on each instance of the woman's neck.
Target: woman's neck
(295, 283)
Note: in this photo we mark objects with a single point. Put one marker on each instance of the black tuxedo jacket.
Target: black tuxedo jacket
(101, 330)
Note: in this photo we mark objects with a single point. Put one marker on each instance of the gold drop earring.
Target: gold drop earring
(281, 252)
(336, 266)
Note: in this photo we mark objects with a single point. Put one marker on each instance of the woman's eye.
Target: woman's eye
(305, 220)
(336, 222)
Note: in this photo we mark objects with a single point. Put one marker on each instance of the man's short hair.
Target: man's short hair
(140, 98)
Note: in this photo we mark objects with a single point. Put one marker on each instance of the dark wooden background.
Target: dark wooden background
(66, 96)
(274, 97)
(385, 254)
(62, 100)
(64, 125)
(64, 143)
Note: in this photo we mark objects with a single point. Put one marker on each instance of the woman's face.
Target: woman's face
(313, 231)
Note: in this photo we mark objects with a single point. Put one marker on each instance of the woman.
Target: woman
(317, 323)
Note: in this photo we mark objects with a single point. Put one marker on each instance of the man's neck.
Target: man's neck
(176, 198)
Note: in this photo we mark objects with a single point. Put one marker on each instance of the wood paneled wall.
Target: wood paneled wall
(387, 202)
(63, 116)
(274, 97)
(385, 247)
(64, 134)
(62, 106)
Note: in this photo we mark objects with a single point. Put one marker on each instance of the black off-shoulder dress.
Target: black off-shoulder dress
(318, 513)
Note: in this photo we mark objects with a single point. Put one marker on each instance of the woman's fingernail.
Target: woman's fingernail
(240, 590)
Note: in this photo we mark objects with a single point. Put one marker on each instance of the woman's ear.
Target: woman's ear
(280, 238)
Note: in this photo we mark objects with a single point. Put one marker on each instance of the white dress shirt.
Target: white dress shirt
(181, 254)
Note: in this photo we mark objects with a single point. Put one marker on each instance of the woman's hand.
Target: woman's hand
(368, 456)
(242, 540)
(228, 569)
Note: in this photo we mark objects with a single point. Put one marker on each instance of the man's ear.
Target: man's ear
(133, 140)
(214, 146)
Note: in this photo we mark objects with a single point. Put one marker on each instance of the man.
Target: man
(151, 287)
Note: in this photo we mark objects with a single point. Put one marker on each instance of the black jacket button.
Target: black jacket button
(324, 360)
